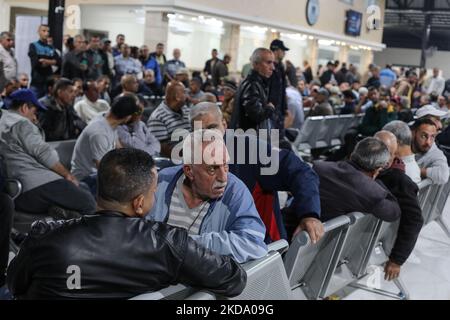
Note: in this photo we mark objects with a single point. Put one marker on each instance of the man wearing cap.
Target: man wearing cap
(349, 102)
(328, 76)
(278, 85)
(322, 106)
(182, 76)
(29, 159)
(431, 160)
(433, 114)
(229, 92)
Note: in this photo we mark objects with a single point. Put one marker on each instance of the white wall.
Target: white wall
(115, 20)
(411, 57)
(4, 16)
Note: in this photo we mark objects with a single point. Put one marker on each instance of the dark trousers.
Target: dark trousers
(60, 193)
(6, 215)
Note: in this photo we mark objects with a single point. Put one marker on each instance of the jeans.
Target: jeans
(60, 193)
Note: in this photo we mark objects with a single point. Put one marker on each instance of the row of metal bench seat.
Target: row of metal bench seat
(341, 259)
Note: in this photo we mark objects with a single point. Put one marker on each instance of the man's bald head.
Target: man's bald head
(175, 95)
(389, 139)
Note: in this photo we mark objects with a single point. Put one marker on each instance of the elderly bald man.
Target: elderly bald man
(411, 221)
(172, 114)
(213, 205)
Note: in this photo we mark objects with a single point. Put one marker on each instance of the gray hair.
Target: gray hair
(371, 154)
(202, 109)
(257, 55)
(401, 131)
(5, 34)
(208, 97)
(194, 145)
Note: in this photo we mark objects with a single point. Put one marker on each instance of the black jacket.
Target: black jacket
(250, 108)
(71, 67)
(326, 77)
(39, 73)
(345, 189)
(277, 93)
(411, 220)
(119, 258)
(60, 123)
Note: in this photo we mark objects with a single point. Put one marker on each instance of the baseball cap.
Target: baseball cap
(278, 44)
(230, 84)
(324, 92)
(429, 110)
(26, 95)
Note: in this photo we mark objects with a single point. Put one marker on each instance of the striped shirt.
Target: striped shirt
(181, 216)
(164, 121)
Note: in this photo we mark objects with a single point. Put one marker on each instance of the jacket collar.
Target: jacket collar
(111, 214)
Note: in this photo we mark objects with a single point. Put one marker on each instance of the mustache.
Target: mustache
(220, 185)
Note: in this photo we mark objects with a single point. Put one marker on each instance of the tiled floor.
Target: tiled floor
(427, 272)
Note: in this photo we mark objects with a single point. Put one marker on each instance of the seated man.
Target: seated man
(404, 152)
(100, 137)
(212, 204)
(46, 182)
(411, 220)
(171, 115)
(91, 106)
(136, 135)
(117, 254)
(432, 161)
(60, 121)
(350, 186)
(293, 176)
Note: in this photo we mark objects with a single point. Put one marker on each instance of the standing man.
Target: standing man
(120, 40)
(172, 66)
(43, 56)
(149, 62)
(435, 84)
(221, 70)
(278, 85)
(160, 57)
(211, 64)
(7, 61)
(252, 105)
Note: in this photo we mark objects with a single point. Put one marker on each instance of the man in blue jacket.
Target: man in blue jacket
(212, 204)
(292, 175)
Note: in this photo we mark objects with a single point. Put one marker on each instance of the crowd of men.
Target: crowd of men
(136, 230)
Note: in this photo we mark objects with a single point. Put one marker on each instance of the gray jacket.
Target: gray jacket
(436, 164)
(27, 157)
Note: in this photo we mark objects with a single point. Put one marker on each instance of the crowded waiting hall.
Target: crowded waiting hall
(295, 151)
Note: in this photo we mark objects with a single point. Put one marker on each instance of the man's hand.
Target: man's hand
(392, 271)
(314, 228)
(72, 179)
(271, 106)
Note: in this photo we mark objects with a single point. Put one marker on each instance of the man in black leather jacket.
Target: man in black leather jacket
(116, 254)
(252, 107)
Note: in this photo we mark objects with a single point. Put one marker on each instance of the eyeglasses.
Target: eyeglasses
(138, 113)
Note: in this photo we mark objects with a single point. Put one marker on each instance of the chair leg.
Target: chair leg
(400, 296)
